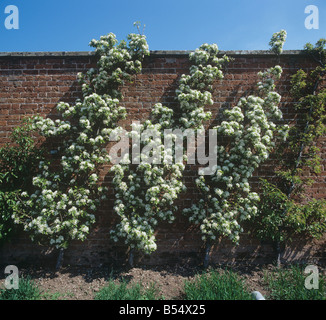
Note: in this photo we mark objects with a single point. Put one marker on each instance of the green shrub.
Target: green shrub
(18, 163)
(124, 291)
(289, 284)
(214, 285)
(27, 290)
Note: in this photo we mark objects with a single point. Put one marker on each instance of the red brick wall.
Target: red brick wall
(34, 83)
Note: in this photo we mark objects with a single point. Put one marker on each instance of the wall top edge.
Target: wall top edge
(61, 54)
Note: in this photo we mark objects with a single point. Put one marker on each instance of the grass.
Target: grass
(226, 285)
(289, 284)
(124, 291)
(27, 290)
(57, 295)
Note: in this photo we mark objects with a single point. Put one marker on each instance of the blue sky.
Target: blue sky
(48, 25)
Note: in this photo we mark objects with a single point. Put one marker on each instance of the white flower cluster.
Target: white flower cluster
(67, 192)
(117, 62)
(194, 91)
(249, 132)
(145, 193)
(277, 41)
(56, 216)
(143, 197)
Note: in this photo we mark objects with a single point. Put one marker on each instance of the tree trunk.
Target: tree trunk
(60, 259)
(131, 258)
(207, 252)
(278, 254)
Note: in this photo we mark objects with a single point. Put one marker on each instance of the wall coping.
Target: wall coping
(155, 53)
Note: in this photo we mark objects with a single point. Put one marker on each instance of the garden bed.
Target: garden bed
(72, 283)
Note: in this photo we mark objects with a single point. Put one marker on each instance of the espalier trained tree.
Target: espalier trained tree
(250, 130)
(67, 194)
(145, 192)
